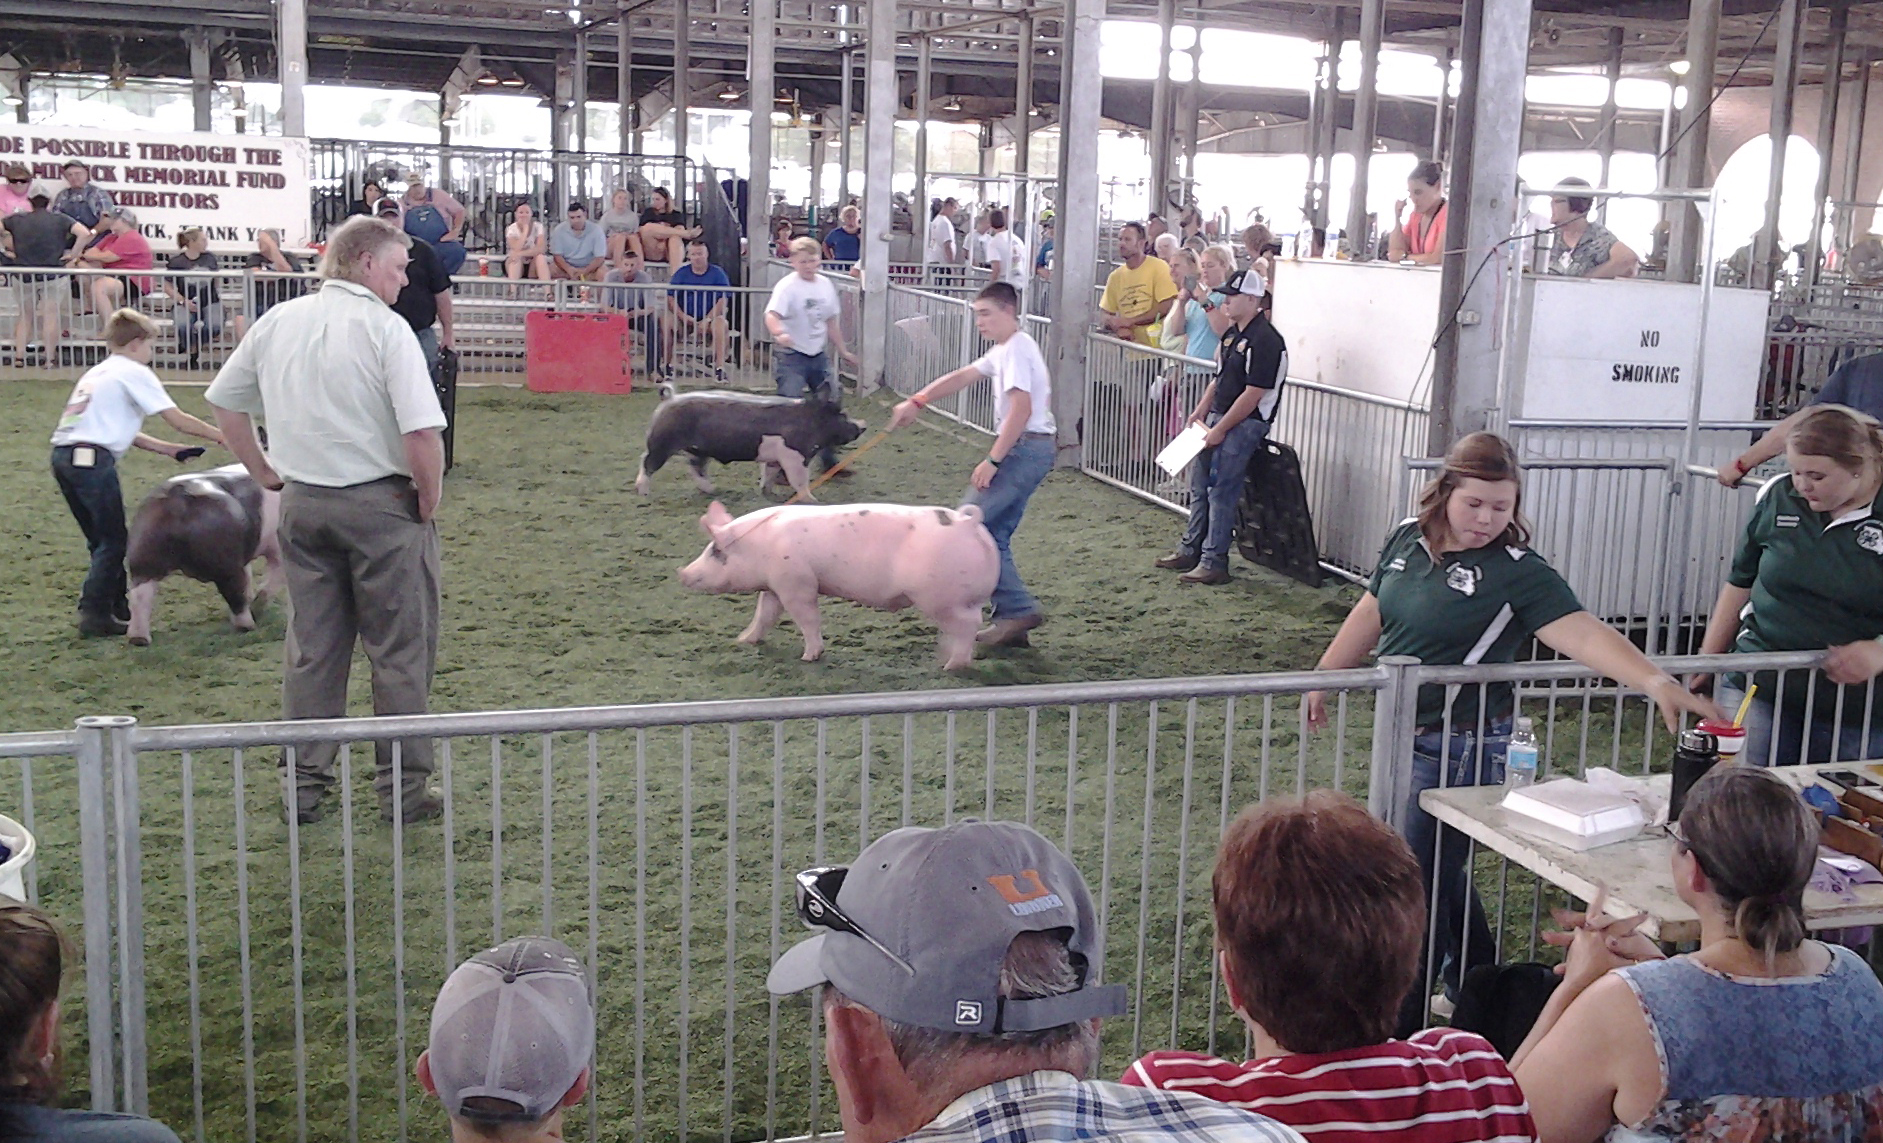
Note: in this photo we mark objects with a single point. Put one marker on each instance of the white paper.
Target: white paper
(1182, 449)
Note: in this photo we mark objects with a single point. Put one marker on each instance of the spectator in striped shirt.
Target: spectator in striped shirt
(1319, 919)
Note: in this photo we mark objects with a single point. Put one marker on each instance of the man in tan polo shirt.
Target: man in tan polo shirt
(355, 446)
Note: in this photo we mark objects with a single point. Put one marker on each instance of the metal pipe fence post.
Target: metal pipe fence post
(1395, 716)
(130, 870)
(95, 868)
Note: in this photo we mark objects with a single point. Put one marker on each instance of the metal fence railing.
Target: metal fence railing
(297, 963)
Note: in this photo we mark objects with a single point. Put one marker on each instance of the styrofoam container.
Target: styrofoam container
(13, 870)
(1573, 814)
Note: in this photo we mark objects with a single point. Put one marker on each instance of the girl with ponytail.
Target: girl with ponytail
(1808, 576)
(1760, 1034)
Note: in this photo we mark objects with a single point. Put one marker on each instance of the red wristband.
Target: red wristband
(919, 401)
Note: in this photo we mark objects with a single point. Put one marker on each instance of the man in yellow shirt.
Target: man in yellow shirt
(1137, 296)
(1138, 293)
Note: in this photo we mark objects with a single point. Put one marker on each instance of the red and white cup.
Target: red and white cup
(1732, 739)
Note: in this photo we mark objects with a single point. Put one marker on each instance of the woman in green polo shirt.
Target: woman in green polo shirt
(1809, 576)
(1458, 585)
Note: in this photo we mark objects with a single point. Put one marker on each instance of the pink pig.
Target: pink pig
(940, 561)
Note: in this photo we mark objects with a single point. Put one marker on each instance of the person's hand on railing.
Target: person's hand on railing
(1854, 663)
(1731, 473)
(1317, 709)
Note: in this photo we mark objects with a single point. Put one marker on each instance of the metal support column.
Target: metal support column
(1853, 151)
(1330, 121)
(1442, 108)
(201, 87)
(1019, 214)
(682, 66)
(1190, 116)
(559, 114)
(1691, 169)
(1161, 116)
(846, 109)
(1610, 110)
(292, 41)
(883, 96)
(579, 129)
(1768, 254)
(1829, 88)
(624, 79)
(759, 212)
(1075, 228)
(1466, 399)
(919, 207)
(1365, 123)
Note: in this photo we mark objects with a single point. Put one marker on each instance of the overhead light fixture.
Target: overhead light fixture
(729, 95)
(1680, 67)
(488, 80)
(953, 104)
(13, 99)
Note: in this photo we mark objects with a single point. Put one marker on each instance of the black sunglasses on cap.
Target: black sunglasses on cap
(817, 907)
(20, 182)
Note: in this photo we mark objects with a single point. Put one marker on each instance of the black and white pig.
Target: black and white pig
(209, 526)
(726, 427)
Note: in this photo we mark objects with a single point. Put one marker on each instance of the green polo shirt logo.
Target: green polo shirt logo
(1870, 538)
(1463, 579)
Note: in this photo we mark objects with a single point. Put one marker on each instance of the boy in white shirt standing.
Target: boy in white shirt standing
(802, 317)
(1021, 456)
(1007, 255)
(103, 420)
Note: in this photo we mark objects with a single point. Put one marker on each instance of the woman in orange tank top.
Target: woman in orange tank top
(1421, 237)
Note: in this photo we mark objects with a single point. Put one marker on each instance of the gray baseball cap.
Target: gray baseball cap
(515, 1024)
(944, 904)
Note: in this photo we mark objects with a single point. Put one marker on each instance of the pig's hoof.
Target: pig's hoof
(811, 656)
(138, 640)
(750, 638)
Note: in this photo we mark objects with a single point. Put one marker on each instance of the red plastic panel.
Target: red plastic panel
(576, 353)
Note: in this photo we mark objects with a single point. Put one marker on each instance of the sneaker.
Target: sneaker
(1205, 575)
(1009, 632)
(1176, 561)
(1443, 1006)
(95, 626)
(719, 375)
(418, 805)
(307, 813)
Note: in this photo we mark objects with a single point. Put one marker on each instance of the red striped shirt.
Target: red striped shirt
(1440, 1086)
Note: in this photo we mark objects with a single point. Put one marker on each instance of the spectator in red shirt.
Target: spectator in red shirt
(122, 248)
(1319, 921)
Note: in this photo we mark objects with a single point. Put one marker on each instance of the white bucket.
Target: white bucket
(13, 870)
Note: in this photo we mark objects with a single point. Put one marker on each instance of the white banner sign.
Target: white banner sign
(230, 185)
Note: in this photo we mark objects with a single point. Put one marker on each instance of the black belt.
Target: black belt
(1040, 436)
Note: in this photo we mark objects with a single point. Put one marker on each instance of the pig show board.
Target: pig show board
(576, 353)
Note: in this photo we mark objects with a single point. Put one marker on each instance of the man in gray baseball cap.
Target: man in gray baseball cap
(511, 1037)
(962, 999)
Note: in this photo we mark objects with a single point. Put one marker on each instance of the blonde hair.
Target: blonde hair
(126, 326)
(1223, 255)
(849, 212)
(188, 235)
(805, 245)
(354, 239)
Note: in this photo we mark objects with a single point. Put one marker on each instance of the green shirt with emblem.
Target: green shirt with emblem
(1815, 582)
(1477, 606)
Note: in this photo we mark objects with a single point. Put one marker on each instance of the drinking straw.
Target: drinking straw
(1744, 705)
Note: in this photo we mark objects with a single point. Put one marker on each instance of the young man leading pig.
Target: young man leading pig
(1022, 453)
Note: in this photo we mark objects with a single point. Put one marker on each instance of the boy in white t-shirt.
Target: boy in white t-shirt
(802, 317)
(103, 420)
(1007, 253)
(1022, 453)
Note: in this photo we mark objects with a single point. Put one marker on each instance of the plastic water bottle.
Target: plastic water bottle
(1520, 759)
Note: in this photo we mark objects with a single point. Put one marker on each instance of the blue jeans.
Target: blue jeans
(1463, 937)
(428, 345)
(808, 373)
(97, 503)
(195, 330)
(1216, 479)
(1784, 739)
(1002, 505)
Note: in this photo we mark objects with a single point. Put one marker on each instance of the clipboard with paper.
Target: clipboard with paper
(1185, 447)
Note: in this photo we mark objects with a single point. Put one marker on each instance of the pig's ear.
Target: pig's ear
(715, 520)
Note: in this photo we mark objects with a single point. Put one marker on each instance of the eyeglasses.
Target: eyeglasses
(817, 907)
(1682, 844)
(20, 182)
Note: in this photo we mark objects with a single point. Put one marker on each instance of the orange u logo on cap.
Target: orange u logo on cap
(1018, 890)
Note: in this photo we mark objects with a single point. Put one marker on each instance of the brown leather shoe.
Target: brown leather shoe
(1176, 561)
(1203, 575)
(1009, 632)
